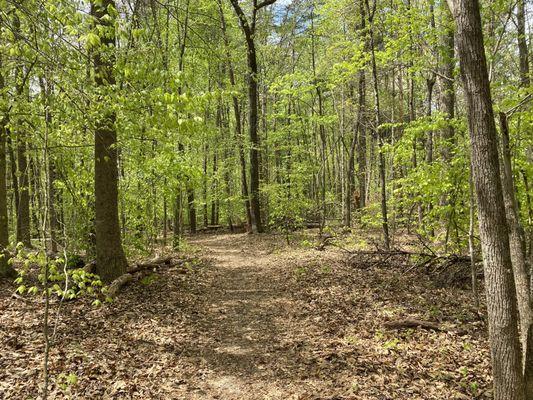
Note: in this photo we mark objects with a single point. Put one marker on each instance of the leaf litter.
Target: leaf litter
(254, 319)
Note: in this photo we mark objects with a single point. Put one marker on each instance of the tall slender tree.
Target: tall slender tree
(5, 269)
(499, 282)
(248, 27)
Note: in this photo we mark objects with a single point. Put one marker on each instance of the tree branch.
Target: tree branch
(264, 4)
(242, 17)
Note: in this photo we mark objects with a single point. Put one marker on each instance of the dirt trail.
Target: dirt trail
(247, 317)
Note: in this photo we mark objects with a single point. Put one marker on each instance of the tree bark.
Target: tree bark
(6, 271)
(522, 43)
(53, 222)
(446, 81)
(248, 28)
(518, 254)
(379, 132)
(23, 216)
(359, 142)
(238, 126)
(499, 282)
(110, 259)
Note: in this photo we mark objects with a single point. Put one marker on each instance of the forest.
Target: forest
(266, 199)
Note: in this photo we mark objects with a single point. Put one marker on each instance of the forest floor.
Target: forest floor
(254, 319)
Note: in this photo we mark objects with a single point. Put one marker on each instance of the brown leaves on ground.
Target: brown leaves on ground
(255, 320)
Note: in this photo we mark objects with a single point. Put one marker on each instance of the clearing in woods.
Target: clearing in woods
(253, 319)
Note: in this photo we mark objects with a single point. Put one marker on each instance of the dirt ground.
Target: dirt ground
(254, 319)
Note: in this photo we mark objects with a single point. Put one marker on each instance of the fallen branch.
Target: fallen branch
(118, 283)
(413, 323)
(121, 281)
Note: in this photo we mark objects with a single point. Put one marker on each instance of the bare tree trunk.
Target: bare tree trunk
(206, 221)
(53, 224)
(518, 255)
(23, 217)
(248, 28)
(110, 259)
(471, 247)
(238, 126)
(177, 221)
(446, 81)
(379, 132)
(21, 174)
(499, 282)
(214, 201)
(447, 99)
(191, 209)
(522, 43)
(6, 271)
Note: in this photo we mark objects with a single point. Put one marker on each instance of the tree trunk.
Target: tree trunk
(379, 133)
(522, 43)
(110, 259)
(499, 282)
(361, 157)
(6, 271)
(191, 209)
(359, 142)
(447, 82)
(518, 254)
(53, 222)
(238, 126)
(254, 137)
(248, 28)
(177, 221)
(23, 217)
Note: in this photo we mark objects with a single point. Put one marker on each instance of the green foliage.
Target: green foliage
(61, 279)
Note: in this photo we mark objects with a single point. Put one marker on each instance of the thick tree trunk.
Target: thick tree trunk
(499, 282)
(110, 259)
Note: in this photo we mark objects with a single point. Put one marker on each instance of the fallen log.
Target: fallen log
(134, 270)
(117, 284)
(153, 263)
(413, 323)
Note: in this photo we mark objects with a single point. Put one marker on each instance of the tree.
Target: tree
(110, 259)
(5, 269)
(500, 285)
(238, 125)
(522, 43)
(378, 129)
(22, 175)
(248, 27)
